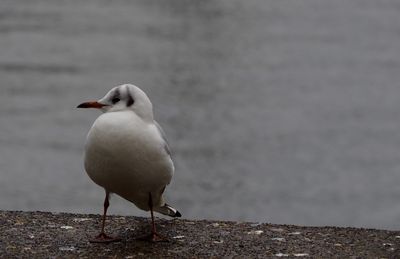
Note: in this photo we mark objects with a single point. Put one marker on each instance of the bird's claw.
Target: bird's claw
(153, 237)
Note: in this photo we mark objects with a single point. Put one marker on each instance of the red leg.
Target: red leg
(154, 236)
(103, 237)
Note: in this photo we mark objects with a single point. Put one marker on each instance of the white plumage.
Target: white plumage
(126, 152)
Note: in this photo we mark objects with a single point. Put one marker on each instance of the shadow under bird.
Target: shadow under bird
(127, 153)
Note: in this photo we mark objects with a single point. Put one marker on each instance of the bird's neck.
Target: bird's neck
(145, 112)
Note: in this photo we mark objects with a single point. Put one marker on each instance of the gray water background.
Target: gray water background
(276, 111)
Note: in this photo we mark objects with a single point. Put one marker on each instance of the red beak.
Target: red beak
(94, 104)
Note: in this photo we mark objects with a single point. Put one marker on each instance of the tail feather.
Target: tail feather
(169, 211)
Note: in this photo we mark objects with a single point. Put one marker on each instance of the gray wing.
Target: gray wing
(162, 133)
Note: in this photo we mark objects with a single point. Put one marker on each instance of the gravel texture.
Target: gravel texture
(64, 235)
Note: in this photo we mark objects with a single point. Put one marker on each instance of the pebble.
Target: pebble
(255, 232)
(66, 227)
(256, 224)
(81, 219)
(67, 248)
(300, 254)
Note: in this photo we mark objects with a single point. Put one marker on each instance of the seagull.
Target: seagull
(126, 153)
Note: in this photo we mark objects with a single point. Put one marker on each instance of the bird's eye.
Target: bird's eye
(115, 100)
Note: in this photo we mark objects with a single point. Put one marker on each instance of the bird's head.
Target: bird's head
(121, 98)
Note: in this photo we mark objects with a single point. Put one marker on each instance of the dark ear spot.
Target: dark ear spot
(130, 100)
(116, 97)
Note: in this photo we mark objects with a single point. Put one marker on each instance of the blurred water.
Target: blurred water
(276, 111)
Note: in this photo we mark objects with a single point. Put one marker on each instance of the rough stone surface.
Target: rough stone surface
(63, 235)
